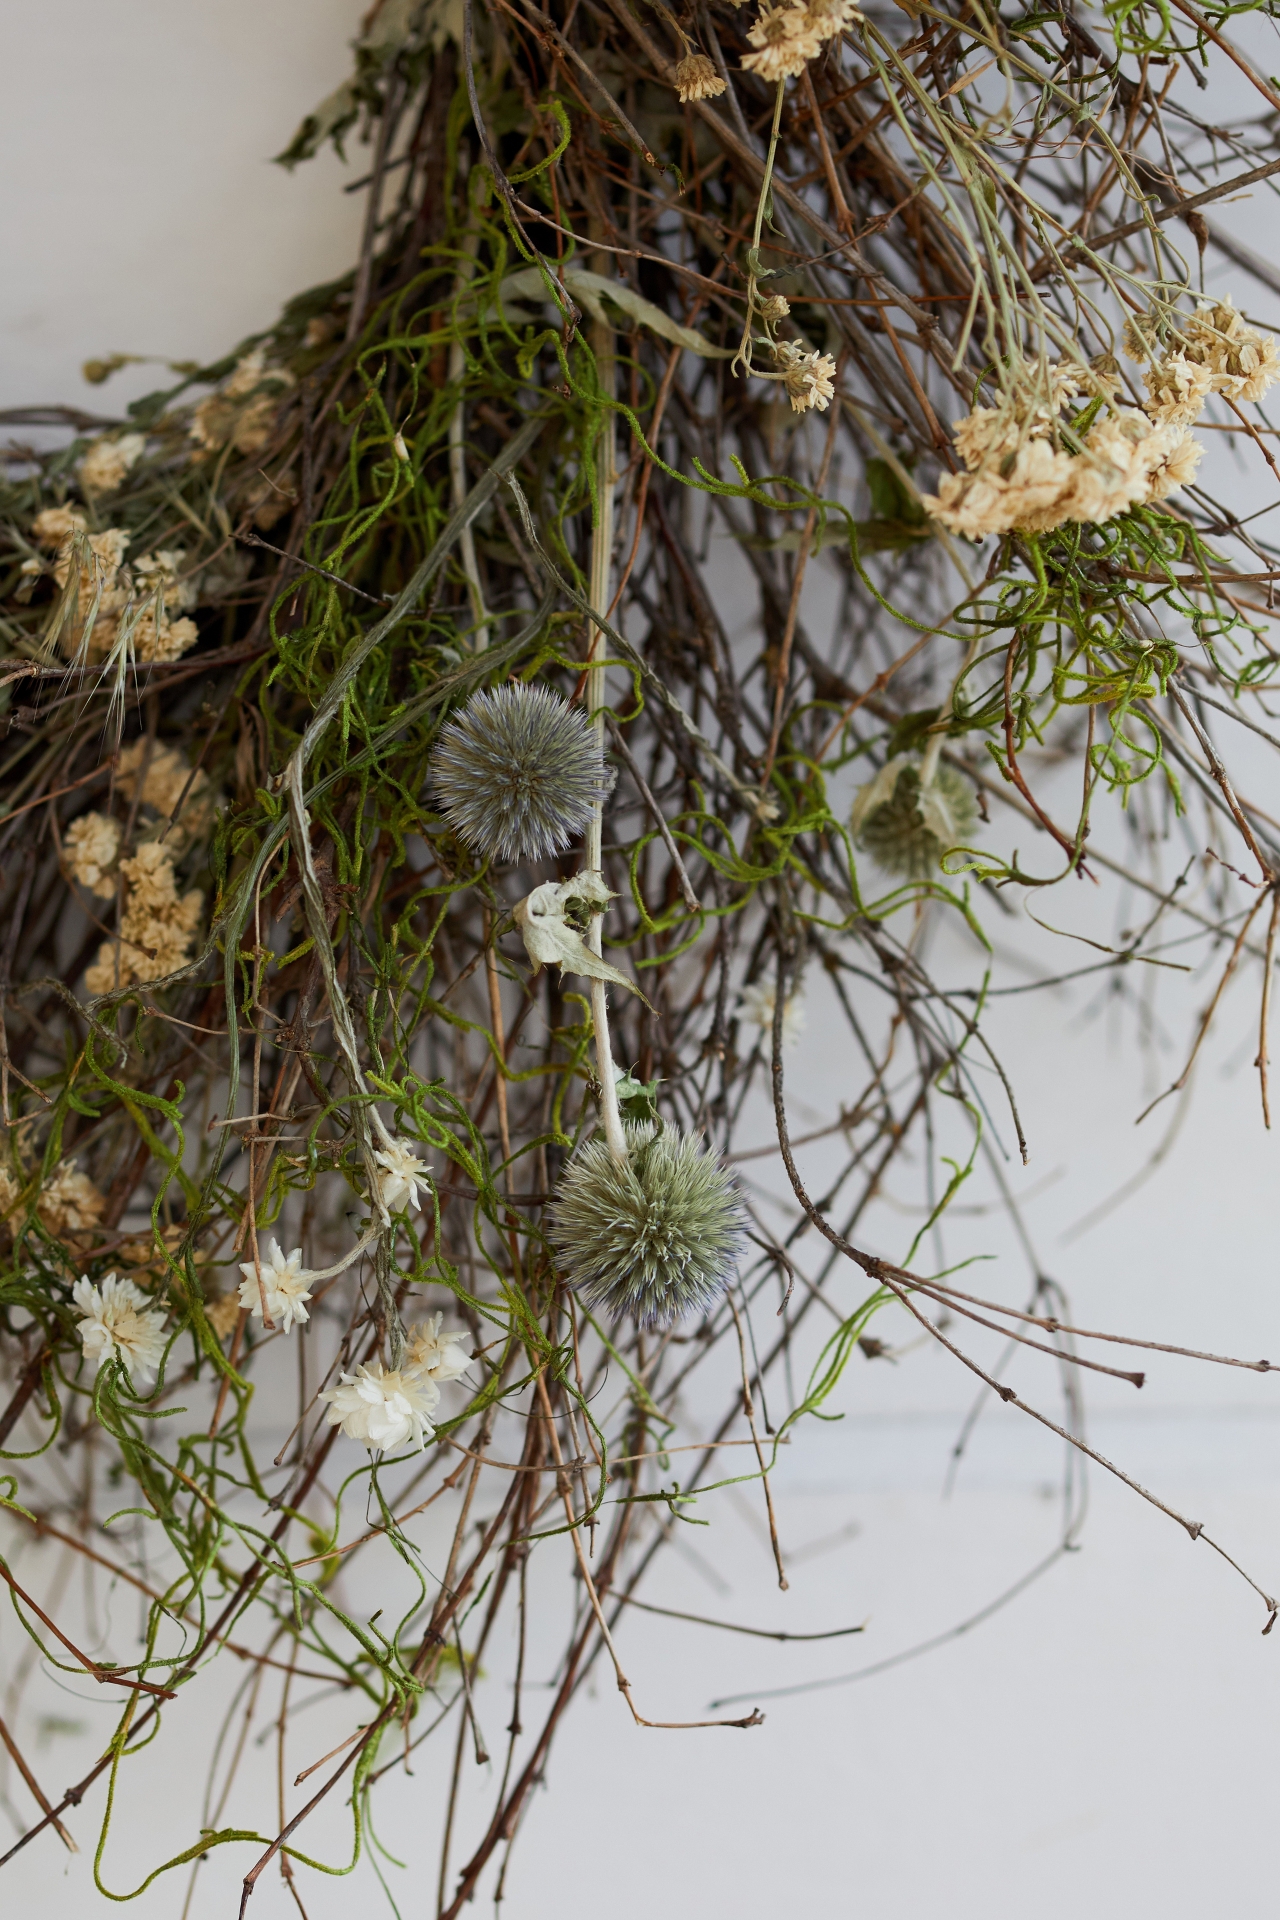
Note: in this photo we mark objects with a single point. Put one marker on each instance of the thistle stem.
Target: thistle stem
(601, 558)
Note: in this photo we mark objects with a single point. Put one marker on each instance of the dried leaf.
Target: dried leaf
(552, 940)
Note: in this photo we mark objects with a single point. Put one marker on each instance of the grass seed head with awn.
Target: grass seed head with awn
(739, 525)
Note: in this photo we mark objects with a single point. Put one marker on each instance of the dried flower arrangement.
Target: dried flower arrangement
(310, 843)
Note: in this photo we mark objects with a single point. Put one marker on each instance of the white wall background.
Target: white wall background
(1104, 1745)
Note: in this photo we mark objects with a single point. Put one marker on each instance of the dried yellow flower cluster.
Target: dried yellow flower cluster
(163, 784)
(787, 37)
(107, 463)
(157, 929)
(1019, 478)
(1215, 351)
(91, 846)
(103, 577)
(243, 411)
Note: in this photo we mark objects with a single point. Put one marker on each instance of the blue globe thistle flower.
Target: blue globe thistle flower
(517, 773)
(656, 1237)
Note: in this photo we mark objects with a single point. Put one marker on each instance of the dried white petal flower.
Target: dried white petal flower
(758, 1001)
(286, 1285)
(774, 308)
(115, 1319)
(438, 1356)
(92, 843)
(402, 1170)
(383, 1409)
(696, 78)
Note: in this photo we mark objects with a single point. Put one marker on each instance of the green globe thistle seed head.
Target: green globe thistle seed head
(903, 836)
(656, 1238)
(517, 773)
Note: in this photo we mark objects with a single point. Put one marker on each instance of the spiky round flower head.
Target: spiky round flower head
(517, 773)
(907, 827)
(657, 1237)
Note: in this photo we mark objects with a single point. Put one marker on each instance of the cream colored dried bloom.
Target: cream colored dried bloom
(69, 1202)
(157, 928)
(240, 412)
(1243, 361)
(1029, 495)
(786, 43)
(808, 376)
(92, 844)
(107, 462)
(56, 524)
(115, 1319)
(163, 640)
(757, 1003)
(696, 79)
(1175, 467)
(222, 1313)
(166, 779)
(776, 307)
(10, 1188)
(161, 573)
(1178, 388)
(434, 1355)
(383, 1409)
(827, 18)
(402, 1170)
(285, 1285)
(248, 374)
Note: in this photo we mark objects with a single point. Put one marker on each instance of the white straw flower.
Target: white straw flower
(115, 1319)
(402, 1170)
(286, 1286)
(383, 1409)
(434, 1355)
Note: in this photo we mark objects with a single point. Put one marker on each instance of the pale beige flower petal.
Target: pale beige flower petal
(696, 78)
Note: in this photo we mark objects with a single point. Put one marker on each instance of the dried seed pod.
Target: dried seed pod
(655, 1237)
(517, 773)
(907, 827)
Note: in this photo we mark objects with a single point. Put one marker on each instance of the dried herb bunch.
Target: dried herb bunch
(328, 1044)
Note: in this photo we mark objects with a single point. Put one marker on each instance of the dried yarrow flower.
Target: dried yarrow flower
(696, 79)
(92, 843)
(117, 1319)
(157, 928)
(107, 463)
(518, 772)
(655, 1236)
(166, 780)
(830, 17)
(907, 826)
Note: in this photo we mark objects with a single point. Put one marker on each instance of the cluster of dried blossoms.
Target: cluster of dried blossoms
(785, 38)
(1028, 470)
